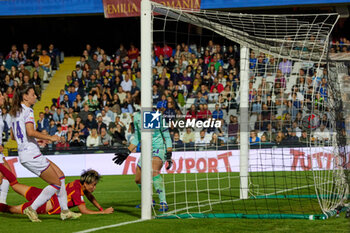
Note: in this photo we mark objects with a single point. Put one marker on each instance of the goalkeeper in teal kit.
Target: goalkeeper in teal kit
(162, 151)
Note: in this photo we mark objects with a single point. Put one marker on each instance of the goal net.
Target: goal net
(280, 150)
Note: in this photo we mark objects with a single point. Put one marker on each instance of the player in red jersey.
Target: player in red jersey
(76, 191)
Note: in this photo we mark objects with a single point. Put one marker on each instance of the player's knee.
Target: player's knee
(137, 180)
(155, 173)
(57, 182)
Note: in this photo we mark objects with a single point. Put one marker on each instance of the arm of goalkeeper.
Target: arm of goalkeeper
(122, 154)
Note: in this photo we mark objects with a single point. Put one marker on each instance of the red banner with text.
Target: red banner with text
(131, 8)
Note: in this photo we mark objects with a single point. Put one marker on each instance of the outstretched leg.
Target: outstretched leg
(158, 183)
(10, 209)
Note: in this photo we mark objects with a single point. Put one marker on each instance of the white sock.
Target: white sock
(62, 195)
(4, 188)
(44, 196)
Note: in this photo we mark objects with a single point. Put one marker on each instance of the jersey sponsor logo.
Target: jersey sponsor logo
(151, 120)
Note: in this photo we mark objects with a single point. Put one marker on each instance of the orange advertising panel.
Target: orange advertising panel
(131, 8)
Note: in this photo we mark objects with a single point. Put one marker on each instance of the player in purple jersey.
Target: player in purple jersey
(23, 131)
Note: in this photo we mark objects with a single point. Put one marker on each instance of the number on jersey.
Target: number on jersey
(19, 134)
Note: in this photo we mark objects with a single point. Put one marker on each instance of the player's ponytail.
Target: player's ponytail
(18, 98)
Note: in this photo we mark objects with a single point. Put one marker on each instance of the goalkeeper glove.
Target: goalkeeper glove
(121, 155)
(169, 160)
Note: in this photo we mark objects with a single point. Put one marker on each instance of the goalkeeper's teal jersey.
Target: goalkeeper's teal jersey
(160, 137)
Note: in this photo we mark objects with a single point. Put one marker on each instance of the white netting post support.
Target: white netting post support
(244, 122)
(146, 87)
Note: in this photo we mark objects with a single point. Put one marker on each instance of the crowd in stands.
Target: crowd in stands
(96, 105)
(341, 45)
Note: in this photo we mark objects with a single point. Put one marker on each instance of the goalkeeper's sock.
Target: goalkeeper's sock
(159, 187)
(139, 185)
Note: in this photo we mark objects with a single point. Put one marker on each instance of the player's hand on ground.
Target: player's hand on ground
(169, 160)
(55, 138)
(108, 210)
(121, 155)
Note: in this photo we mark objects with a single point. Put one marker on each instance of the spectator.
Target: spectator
(322, 133)
(12, 61)
(200, 99)
(119, 136)
(93, 63)
(292, 139)
(36, 82)
(192, 112)
(109, 113)
(285, 66)
(77, 140)
(58, 115)
(216, 85)
(64, 125)
(253, 137)
(83, 114)
(215, 141)
(133, 52)
(47, 114)
(66, 103)
(115, 104)
(83, 131)
(304, 139)
(106, 140)
(162, 104)
(280, 137)
(189, 136)
(105, 119)
(52, 128)
(70, 133)
(72, 94)
(177, 143)
(76, 126)
(100, 124)
(233, 128)
(170, 113)
(93, 140)
(218, 114)
(38, 69)
(59, 132)
(91, 122)
(202, 141)
(45, 61)
(43, 123)
(62, 144)
(92, 103)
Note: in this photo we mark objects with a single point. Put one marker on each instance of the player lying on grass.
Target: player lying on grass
(75, 191)
(162, 152)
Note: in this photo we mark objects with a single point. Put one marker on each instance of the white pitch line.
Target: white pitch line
(111, 226)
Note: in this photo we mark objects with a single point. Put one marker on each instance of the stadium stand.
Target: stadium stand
(103, 91)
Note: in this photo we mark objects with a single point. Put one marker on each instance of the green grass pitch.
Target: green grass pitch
(122, 194)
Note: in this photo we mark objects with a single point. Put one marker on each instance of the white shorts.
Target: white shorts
(37, 165)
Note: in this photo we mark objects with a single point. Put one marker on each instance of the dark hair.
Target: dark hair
(18, 98)
(89, 177)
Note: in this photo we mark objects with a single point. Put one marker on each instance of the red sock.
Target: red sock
(8, 174)
(4, 208)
